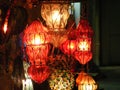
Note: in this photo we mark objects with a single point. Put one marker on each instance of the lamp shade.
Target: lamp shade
(68, 47)
(85, 82)
(38, 73)
(84, 39)
(55, 15)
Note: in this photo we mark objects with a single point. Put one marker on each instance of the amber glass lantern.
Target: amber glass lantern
(85, 82)
(55, 14)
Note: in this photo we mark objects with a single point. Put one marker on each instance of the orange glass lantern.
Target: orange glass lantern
(84, 39)
(85, 82)
(68, 47)
(55, 14)
(38, 73)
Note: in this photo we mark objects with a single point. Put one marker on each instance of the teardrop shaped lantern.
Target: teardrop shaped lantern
(55, 14)
(83, 53)
(85, 82)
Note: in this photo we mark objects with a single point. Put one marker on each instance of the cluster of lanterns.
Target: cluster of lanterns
(77, 44)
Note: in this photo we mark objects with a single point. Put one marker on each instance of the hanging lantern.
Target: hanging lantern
(68, 47)
(61, 80)
(85, 82)
(38, 73)
(55, 14)
(35, 38)
(83, 53)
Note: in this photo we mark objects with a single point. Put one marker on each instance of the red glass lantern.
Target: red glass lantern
(35, 38)
(83, 53)
(69, 46)
(38, 73)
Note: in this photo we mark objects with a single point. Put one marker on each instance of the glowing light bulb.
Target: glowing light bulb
(5, 27)
(56, 16)
(88, 87)
(38, 39)
(83, 46)
(71, 46)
